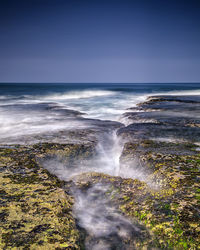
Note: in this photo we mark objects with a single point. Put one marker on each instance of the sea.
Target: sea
(34, 108)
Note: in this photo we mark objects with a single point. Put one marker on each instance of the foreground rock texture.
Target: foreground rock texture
(160, 199)
(36, 213)
(168, 202)
(163, 140)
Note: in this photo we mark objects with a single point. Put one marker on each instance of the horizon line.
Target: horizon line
(100, 82)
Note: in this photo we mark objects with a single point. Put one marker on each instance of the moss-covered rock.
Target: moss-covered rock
(167, 208)
(36, 213)
(169, 204)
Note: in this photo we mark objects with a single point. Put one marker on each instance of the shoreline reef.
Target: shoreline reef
(162, 139)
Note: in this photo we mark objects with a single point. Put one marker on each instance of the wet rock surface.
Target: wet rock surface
(166, 118)
(169, 204)
(150, 201)
(164, 145)
(33, 205)
(50, 122)
(36, 212)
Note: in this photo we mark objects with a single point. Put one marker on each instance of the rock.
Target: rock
(156, 208)
(168, 118)
(163, 137)
(35, 210)
(166, 203)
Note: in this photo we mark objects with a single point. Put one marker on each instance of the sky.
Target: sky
(100, 41)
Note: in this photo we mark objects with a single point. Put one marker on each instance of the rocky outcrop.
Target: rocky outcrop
(165, 145)
(156, 208)
(36, 212)
(168, 205)
(164, 203)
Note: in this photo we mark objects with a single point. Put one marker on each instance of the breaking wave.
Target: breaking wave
(79, 94)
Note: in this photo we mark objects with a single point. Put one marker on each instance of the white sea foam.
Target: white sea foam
(97, 104)
(79, 94)
(18, 123)
(107, 161)
(92, 208)
(100, 219)
(178, 93)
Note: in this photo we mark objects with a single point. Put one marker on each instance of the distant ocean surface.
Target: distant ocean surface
(34, 108)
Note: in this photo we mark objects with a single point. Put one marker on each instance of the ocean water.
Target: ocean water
(28, 109)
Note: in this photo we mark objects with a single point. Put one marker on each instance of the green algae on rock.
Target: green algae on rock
(36, 213)
(169, 205)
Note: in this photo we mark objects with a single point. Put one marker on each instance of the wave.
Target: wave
(79, 94)
(22, 115)
(179, 92)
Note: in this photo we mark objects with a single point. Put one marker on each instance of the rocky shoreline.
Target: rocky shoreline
(160, 148)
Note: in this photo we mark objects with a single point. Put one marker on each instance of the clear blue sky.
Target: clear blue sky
(100, 41)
